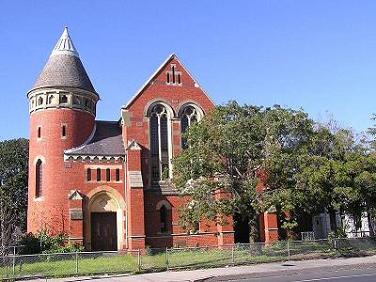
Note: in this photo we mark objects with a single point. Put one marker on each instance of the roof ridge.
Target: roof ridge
(169, 58)
(108, 121)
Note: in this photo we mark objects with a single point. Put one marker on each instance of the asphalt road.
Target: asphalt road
(358, 273)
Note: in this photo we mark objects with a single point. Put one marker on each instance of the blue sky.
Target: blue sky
(317, 55)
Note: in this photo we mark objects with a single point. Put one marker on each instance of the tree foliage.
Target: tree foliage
(273, 158)
(13, 184)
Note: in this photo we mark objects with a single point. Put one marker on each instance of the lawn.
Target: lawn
(66, 265)
(62, 265)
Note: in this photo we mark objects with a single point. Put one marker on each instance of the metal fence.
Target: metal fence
(91, 263)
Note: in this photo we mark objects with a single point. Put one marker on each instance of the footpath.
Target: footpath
(203, 274)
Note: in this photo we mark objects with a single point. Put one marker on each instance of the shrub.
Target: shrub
(43, 242)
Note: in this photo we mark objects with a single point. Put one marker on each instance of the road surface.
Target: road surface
(358, 273)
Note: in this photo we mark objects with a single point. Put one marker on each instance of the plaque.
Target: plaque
(76, 214)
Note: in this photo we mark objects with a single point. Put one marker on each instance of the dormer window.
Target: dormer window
(173, 77)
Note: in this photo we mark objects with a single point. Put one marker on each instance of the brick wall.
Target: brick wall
(175, 96)
(50, 210)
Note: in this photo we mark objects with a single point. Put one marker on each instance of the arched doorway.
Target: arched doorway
(104, 222)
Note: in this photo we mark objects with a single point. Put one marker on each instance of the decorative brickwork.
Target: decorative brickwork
(96, 182)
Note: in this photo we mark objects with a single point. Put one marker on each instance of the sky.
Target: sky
(316, 55)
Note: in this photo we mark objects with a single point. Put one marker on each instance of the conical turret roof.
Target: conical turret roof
(64, 67)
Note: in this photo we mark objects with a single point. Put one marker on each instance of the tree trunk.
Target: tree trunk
(371, 224)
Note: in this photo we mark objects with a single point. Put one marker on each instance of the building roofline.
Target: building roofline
(62, 88)
(143, 87)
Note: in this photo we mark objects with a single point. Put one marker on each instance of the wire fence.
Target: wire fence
(151, 259)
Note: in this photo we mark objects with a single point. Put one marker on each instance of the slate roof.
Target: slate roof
(106, 141)
(64, 67)
(64, 70)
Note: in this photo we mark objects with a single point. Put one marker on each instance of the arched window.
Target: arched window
(196, 227)
(117, 174)
(50, 99)
(40, 101)
(76, 100)
(168, 78)
(163, 219)
(108, 174)
(160, 145)
(99, 177)
(64, 99)
(38, 179)
(189, 115)
(88, 174)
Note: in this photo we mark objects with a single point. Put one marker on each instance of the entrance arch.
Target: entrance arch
(104, 219)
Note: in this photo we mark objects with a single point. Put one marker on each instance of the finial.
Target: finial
(65, 44)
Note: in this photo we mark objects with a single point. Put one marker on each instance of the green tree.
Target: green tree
(224, 152)
(288, 134)
(304, 167)
(13, 179)
(372, 132)
(231, 150)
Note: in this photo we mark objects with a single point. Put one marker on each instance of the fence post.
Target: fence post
(166, 259)
(14, 262)
(288, 249)
(139, 260)
(233, 255)
(77, 263)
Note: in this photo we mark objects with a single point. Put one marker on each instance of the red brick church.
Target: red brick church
(107, 184)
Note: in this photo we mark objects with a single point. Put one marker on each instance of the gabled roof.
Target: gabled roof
(64, 67)
(106, 141)
(155, 74)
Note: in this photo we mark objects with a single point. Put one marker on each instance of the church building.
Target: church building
(107, 184)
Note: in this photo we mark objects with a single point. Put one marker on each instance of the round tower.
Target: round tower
(62, 106)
